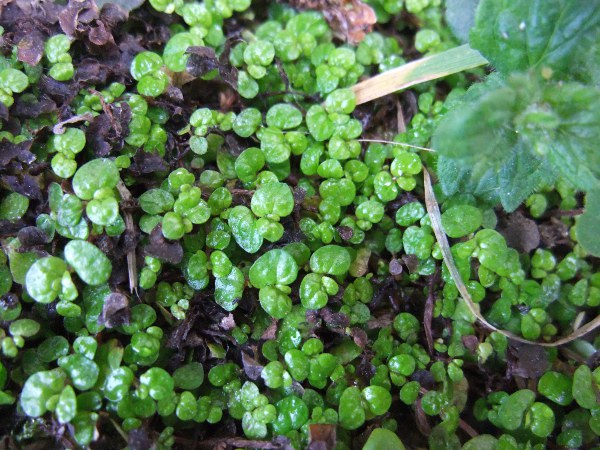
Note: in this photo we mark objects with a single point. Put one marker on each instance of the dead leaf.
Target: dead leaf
(25, 185)
(529, 361)
(77, 12)
(31, 48)
(115, 310)
(395, 267)
(127, 5)
(228, 322)
(252, 368)
(350, 20)
(271, 332)
(159, 247)
(20, 152)
(321, 436)
(204, 59)
(32, 236)
(520, 232)
(108, 130)
(144, 163)
(29, 107)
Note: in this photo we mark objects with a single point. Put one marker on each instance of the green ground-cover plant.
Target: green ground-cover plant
(541, 106)
(209, 243)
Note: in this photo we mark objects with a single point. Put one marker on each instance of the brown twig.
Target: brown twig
(59, 128)
(400, 118)
(428, 314)
(570, 213)
(241, 192)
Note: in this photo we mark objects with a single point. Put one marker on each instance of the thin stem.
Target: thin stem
(404, 144)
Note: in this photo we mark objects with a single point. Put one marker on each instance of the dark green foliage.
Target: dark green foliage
(197, 248)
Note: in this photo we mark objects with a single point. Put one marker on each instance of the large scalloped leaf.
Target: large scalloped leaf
(588, 225)
(516, 35)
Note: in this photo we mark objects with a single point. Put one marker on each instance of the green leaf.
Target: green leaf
(156, 201)
(319, 125)
(13, 206)
(43, 278)
(517, 35)
(274, 267)
(82, 371)
(189, 376)
(542, 419)
(117, 384)
(275, 302)
(512, 410)
(38, 388)
(229, 289)
(66, 408)
(583, 389)
(273, 199)
(53, 348)
(586, 227)
(298, 364)
(330, 259)
(460, 220)
(127, 5)
(159, 383)
(522, 174)
(283, 116)
(24, 327)
(195, 270)
(351, 413)
(187, 407)
(243, 226)
(89, 262)
(84, 424)
(556, 387)
(253, 428)
(20, 263)
(383, 439)
(95, 175)
(481, 442)
(292, 413)
(378, 399)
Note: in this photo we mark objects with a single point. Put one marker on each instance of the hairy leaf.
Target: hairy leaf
(460, 16)
(588, 223)
(509, 139)
(516, 35)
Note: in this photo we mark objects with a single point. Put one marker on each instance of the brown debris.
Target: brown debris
(204, 59)
(115, 311)
(520, 232)
(159, 247)
(252, 368)
(108, 130)
(321, 436)
(351, 20)
(528, 361)
(31, 48)
(76, 14)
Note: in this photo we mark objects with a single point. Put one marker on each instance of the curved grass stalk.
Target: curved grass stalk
(433, 210)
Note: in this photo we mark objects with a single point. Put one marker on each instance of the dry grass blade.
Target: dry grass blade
(435, 216)
(426, 69)
(129, 225)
